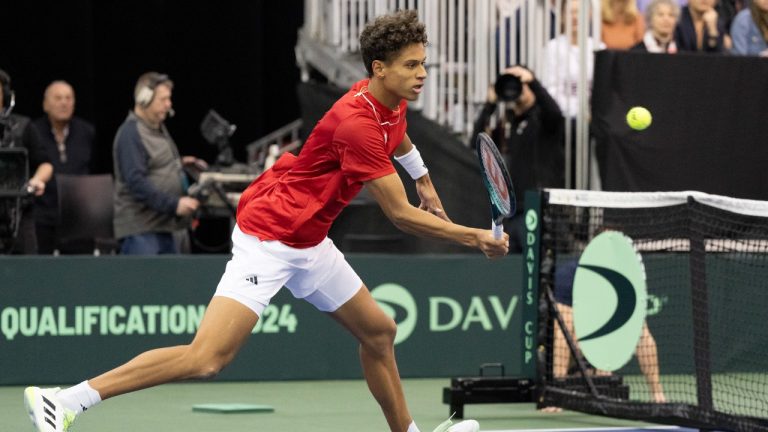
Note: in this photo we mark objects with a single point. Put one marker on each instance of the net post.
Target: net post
(700, 308)
(531, 263)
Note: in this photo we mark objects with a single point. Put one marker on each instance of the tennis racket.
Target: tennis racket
(497, 181)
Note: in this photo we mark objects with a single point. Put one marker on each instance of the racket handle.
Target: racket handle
(498, 230)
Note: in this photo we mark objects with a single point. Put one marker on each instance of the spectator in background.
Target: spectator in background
(727, 10)
(623, 26)
(750, 30)
(68, 142)
(662, 16)
(150, 183)
(560, 75)
(15, 131)
(700, 28)
(642, 5)
(529, 133)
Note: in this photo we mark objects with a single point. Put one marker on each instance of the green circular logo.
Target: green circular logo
(609, 300)
(399, 304)
(531, 220)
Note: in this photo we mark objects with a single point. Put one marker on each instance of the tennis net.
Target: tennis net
(701, 357)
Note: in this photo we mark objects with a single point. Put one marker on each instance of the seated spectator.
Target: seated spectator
(68, 142)
(700, 28)
(623, 26)
(662, 16)
(529, 133)
(750, 30)
(642, 5)
(727, 10)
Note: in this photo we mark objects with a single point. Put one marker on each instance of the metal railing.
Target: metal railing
(262, 152)
(470, 43)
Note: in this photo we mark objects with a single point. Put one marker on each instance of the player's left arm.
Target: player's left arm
(430, 201)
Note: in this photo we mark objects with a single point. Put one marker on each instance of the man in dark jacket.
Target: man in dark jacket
(701, 29)
(68, 143)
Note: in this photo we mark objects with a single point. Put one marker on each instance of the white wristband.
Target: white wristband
(413, 163)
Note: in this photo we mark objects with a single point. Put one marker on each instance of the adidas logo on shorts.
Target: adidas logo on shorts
(253, 280)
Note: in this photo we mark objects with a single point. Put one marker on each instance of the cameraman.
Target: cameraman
(150, 184)
(527, 125)
(16, 133)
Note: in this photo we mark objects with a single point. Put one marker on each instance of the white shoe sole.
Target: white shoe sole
(465, 426)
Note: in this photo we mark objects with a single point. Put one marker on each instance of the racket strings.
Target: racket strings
(496, 176)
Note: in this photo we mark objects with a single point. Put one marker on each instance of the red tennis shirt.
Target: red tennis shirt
(298, 198)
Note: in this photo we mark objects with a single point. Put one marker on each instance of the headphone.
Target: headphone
(145, 92)
(8, 95)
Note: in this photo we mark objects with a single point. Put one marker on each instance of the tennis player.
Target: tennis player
(281, 239)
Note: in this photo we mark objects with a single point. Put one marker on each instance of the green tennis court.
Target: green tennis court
(319, 406)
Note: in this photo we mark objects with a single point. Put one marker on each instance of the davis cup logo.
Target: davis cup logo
(609, 300)
(495, 175)
(531, 220)
(399, 305)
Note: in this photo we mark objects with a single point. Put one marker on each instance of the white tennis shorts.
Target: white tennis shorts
(258, 269)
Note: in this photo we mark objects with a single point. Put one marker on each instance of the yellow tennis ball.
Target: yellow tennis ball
(639, 118)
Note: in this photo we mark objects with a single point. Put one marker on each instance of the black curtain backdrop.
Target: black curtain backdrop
(710, 123)
(234, 57)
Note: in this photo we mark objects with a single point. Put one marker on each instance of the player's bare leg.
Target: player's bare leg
(225, 327)
(376, 333)
(561, 355)
(647, 357)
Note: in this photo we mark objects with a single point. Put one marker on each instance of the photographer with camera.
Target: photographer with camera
(151, 202)
(16, 133)
(527, 125)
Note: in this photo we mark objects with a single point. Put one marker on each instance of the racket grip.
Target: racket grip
(498, 230)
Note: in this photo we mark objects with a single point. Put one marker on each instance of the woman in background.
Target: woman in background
(750, 30)
(623, 26)
(662, 16)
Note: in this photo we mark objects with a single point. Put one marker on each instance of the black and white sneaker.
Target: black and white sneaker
(464, 426)
(45, 410)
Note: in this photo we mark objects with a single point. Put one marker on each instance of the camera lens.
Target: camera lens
(508, 87)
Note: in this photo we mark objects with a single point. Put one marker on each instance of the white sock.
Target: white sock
(412, 427)
(79, 398)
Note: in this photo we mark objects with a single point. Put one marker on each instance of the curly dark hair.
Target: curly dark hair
(383, 38)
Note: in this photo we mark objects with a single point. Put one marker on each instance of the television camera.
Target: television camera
(15, 194)
(219, 188)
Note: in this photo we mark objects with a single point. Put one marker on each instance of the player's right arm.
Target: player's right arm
(389, 192)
